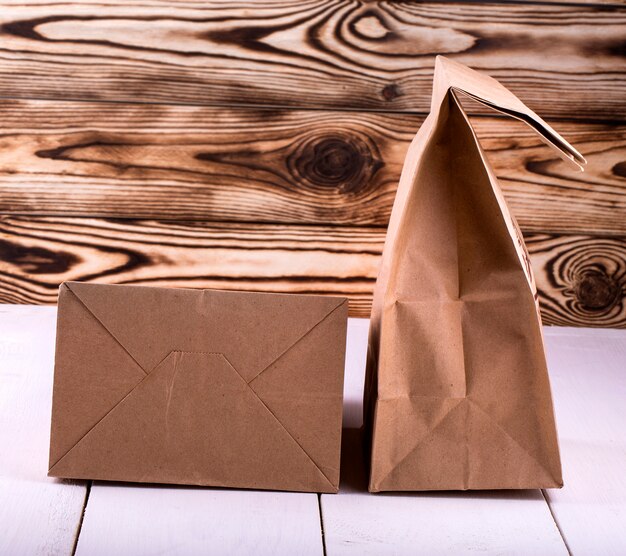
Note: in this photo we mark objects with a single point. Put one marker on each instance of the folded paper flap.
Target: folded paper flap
(251, 329)
(83, 347)
(150, 426)
(488, 91)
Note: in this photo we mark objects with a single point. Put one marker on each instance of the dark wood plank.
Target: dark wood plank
(304, 167)
(562, 60)
(582, 279)
(590, 3)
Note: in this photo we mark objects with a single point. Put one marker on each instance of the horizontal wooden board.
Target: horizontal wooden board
(562, 60)
(290, 166)
(593, 3)
(582, 279)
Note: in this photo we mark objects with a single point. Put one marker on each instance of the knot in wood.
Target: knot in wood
(597, 290)
(390, 92)
(345, 163)
(37, 260)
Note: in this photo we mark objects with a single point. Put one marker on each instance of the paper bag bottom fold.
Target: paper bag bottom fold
(440, 457)
(209, 388)
(148, 434)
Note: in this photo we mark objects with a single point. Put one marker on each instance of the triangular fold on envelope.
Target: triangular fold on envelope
(193, 419)
(251, 329)
(305, 396)
(80, 383)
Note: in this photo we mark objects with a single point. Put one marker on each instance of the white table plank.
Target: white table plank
(588, 375)
(356, 522)
(37, 515)
(354, 380)
(136, 520)
(492, 522)
(40, 515)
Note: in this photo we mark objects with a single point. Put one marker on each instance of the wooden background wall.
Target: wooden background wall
(258, 144)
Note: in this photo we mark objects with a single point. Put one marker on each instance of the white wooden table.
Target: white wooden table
(47, 516)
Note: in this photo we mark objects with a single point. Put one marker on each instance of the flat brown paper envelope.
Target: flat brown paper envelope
(457, 393)
(198, 387)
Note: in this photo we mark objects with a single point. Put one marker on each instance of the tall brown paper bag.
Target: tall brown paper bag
(457, 393)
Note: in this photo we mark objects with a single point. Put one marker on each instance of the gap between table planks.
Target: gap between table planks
(585, 517)
(357, 523)
(44, 514)
(39, 515)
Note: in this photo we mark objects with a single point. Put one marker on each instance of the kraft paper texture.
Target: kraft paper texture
(198, 387)
(457, 393)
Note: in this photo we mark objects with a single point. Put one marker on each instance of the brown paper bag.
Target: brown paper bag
(457, 393)
(198, 387)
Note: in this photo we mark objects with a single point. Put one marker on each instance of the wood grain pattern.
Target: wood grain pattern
(582, 279)
(289, 166)
(564, 60)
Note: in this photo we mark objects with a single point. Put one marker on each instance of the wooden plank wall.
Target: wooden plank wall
(258, 145)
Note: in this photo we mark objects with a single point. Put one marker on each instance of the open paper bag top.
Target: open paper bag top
(486, 90)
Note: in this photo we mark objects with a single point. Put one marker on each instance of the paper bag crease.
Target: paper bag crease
(279, 393)
(457, 393)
